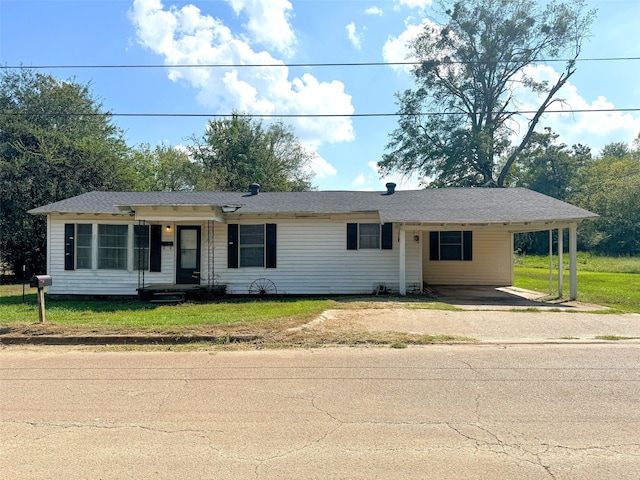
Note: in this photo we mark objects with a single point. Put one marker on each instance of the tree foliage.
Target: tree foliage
(55, 142)
(165, 169)
(457, 122)
(238, 151)
(609, 186)
(547, 166)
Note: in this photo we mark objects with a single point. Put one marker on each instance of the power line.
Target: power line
(304, 115)
(307, 65)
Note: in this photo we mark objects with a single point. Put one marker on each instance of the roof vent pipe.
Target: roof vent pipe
(254, 188)
(391, 188)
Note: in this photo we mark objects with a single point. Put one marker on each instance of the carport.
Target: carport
(477, 228)
(498, 298)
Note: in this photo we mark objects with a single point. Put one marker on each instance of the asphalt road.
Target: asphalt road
(434, 412)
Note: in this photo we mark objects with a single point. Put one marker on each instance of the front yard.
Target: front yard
(611, 282)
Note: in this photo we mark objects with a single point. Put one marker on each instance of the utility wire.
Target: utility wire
(303, 115)
(313, 65)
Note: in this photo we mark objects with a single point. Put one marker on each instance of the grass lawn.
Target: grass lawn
(601, 280)
(124, 315)
(614, 282)
(271, 320)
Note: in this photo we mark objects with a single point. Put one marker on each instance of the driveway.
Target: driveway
(503, 298)
(490, 315)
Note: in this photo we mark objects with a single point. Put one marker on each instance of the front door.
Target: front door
(188, 269)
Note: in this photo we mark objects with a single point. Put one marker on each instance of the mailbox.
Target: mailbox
(40, 281)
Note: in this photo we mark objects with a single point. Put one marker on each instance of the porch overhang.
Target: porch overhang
(177, 213)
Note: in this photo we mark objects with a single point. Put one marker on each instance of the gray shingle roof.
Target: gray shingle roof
(445, 205)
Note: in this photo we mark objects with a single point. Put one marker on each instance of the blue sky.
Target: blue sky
(283, 32)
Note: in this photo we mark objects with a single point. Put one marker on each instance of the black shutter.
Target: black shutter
(232, 247)
(155, 249)
(387, 236)
(434, 246)
(467, 246)
(352, 236)
(69, 246)
(271, 246)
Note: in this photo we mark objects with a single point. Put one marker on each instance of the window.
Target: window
(251, 245)
(112, 247)
(141, 247)
(450, 245)
(84, 242)
(369, 236)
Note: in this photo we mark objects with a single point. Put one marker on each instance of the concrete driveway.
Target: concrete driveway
(503, 298)
(492, 315)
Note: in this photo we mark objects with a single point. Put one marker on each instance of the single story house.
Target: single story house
(315, 242)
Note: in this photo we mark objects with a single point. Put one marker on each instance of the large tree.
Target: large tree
(165, 169)
(547, 166)
(457, 122)
(609, 186)
(55, 142)
(238, 151)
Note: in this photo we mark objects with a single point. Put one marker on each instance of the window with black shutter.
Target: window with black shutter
(252, 245)
(365, 236)
(451, 245)
(69, 246)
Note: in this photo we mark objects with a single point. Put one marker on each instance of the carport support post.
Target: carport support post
(573, 261)
(560, 261)
(403, 257)
(550, 262)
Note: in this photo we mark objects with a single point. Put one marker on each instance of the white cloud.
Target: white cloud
(594, 129)
(396, 49)
(374, 11)
(354, 37)
(359, 181)
(419, 4)
(268, 22)
(186, 36)
(319, 166)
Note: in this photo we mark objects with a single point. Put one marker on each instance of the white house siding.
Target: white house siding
(413, 245)
(491, 264)
(312, 258)
(95, 281)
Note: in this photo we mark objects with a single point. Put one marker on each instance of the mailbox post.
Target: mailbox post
(39, 282)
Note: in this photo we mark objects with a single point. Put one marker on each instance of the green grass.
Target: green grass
(133, 314)
(587, 262)
(613, 282)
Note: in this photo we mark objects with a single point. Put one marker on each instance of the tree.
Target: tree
(615, 150)
(165, 169)
(549, 167)
(609, 186)
(457, 122)
(238, 151)
(55, 142)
